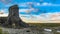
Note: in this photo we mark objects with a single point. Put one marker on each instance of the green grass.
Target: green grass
(41, 25)
(0, 31)
(46, 24)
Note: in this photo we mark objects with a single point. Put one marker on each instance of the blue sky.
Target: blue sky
(42, 6)
(34, 10)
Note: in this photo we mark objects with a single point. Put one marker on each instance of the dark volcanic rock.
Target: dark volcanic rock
(13, 18)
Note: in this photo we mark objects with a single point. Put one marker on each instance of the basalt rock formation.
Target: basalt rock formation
(13, 18)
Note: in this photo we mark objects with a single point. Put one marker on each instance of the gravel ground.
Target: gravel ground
(19, 31)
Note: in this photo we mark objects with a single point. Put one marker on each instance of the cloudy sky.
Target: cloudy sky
(34, 10)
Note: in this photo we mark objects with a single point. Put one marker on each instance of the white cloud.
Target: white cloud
(46, 17)
(4, 15)
(26, 10)
(48, 4)
(1, 10)
(38, 4)
(51, 16)
(23, 10)
(22, 5)
(4, 10)
(45, 3)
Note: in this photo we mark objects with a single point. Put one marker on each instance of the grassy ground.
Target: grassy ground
(41, 25)
(0, 30)
(46, 24)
